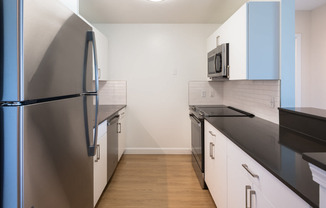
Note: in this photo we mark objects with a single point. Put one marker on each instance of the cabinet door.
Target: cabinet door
(233, 31)
(210, 178)
(100, 168)
(215, 164)
(220, 169)
(259, 200)
(122, 133)
(239, 185)
(100, 162)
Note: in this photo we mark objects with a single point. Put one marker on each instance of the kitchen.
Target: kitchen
(160, 71)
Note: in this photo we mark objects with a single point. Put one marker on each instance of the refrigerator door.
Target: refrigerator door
(45, 51)
(58, 171)
(46, 159)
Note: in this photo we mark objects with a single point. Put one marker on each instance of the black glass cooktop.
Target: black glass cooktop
(222, 111)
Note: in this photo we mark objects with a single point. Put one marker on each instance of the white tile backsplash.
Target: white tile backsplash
(261, 98)
(113, 92)
(213, 91)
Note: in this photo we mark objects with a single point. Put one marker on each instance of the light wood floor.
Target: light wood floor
(155, 181)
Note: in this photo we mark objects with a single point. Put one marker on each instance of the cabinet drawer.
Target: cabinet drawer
(245, 163)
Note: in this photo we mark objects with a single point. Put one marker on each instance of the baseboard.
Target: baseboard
(158, 151)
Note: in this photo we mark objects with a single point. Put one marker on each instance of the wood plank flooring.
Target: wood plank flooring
(155, 181)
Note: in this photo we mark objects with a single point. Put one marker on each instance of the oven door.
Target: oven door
(197, 140)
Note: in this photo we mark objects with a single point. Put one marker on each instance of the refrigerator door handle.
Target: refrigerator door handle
(90, 37)
(91, 146)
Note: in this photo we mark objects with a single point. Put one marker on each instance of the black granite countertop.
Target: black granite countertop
(107, 111)
(279, 150)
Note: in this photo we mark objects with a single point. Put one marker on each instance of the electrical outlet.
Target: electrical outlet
(175, 72)
(203, 93)
(272, 102)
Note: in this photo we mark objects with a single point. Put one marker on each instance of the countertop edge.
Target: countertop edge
(313, 159)
(117, 108)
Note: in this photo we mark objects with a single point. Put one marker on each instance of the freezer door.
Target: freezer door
(49, 58)
(57, 169)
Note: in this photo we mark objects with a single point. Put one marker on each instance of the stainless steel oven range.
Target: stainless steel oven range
(197, 115)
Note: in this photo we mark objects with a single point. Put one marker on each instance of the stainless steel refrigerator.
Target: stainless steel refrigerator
(47, 110)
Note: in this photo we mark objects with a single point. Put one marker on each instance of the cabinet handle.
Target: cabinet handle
(252, 192)
(210, 149)
(245, 166)
(213, 151)
(214, 135)
(119, 127)
(246, 195)
(98, 153)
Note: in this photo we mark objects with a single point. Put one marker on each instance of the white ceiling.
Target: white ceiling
(308, 4)
(168, 11)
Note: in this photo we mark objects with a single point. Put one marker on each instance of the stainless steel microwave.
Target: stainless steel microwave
(218, 62)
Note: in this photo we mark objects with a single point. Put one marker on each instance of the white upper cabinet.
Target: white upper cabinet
(253, 34)
(102, 52)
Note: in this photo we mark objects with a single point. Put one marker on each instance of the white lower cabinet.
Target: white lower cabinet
(100, 162)
(236, 180)
(121, 133)
(243, 181)
(215, 164)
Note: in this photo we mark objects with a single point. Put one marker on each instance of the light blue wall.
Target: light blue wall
(263, 38)
(288, 53)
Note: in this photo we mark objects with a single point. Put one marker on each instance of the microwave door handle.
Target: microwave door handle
(216, 69)
(217, 66)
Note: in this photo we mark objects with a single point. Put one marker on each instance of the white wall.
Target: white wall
(72, 4)
(302, 26)
(158, 61)
(318, 57)
(311, 25)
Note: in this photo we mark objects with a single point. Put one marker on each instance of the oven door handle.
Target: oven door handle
(194, 119)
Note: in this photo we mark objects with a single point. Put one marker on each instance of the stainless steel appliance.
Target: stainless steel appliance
(113, 134)
(46, 106)
(218, 62)
(197, 115)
